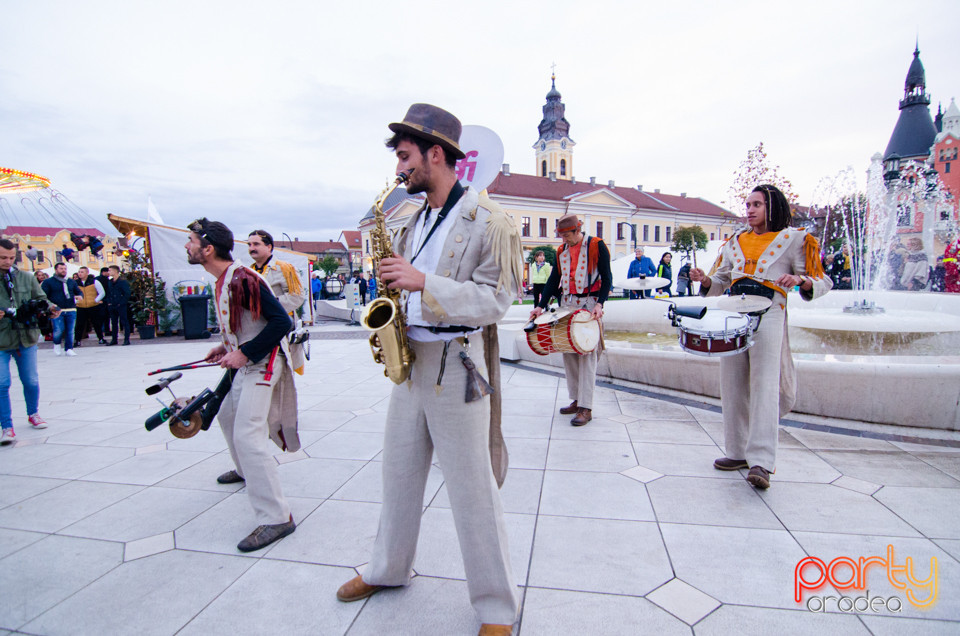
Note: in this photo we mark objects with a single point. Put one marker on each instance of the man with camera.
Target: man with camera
(21, 301)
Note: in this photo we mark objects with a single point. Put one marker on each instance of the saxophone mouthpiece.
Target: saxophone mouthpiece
(403, 177)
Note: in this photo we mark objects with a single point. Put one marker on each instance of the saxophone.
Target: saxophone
(384, 315)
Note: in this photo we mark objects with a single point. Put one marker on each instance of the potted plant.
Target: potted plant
(148, 300)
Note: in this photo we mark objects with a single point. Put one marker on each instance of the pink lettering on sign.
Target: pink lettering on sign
(467, 165)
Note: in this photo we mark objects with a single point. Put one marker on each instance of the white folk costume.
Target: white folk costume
(262, 400)
(285, 284)
(759, 385)
(472, 263)
(582, 279)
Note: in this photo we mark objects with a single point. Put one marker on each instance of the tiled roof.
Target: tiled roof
(352, 237)
(39, 230)
(530, 186)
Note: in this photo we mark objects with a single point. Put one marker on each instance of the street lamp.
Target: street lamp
(633, 232)
(288, 239)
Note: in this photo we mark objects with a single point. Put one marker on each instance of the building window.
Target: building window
(668, 233)
(656, 233)
(525, 226)
(620, 231)
(600, 229)
(543, 226)
(712, 237)
(646, 233)
(563, 167)
(725, 236)
(368, 246)
(543, 168)
(947, 169)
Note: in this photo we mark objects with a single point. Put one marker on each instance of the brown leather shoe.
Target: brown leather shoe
(725, 463)
(583, 416)
(489, 629)
(759, 477)
(356, 590)
(569, 410)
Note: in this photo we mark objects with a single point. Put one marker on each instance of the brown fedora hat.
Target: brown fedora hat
(433, 124)
(568, 223)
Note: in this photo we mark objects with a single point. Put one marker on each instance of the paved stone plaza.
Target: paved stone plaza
(619, 527)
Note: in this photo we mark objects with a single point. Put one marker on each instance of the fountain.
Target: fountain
(868, 354)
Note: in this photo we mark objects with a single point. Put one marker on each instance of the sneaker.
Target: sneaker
(37, 422)
(229, 477)
(70, 352)
(265, 535)
(57, 350)
(102, 341)
(7, 437)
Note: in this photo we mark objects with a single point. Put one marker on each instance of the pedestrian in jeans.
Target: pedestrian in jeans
(18, 340)
(64, 293)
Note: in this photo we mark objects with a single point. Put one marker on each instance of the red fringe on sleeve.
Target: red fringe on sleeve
(244, 294)
(811, 252)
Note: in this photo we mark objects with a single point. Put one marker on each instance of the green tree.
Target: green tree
(549, 253)
(689, 240)
(329, 264)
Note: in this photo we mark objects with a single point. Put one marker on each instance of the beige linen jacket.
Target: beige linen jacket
(785, 255)
(474, 284)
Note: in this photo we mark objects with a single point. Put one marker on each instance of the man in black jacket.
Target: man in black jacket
(63, 292)
(117, 298)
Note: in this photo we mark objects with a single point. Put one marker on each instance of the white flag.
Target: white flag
(152, 215)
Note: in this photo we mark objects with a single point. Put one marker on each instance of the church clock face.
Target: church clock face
(543, 145)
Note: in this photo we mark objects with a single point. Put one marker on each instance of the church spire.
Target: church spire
(554, 146)
(915, 131)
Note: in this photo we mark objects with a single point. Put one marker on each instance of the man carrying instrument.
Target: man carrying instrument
(458, 260)
(253, 328)
(758, 386)
(284, 282)
(582, 278)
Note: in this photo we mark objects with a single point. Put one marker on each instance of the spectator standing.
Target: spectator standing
(361, 283)
(88, 308)
(683, 280)
(937, 276)
(641, 267)
(916, 266)
(103, 315)
(64, 293)
(18, 340)
(951, 268)
(539, 275)
(664, 270)
(371, 286)
(118, 299)
(316, 288)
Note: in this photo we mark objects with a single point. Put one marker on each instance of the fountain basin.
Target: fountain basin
(906, 388)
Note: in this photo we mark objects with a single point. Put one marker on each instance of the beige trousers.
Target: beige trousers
(750, 394)
(243, 419)
(581, 370)
(420, 420)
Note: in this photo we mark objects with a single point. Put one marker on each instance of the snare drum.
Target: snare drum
(577, 332)
(718, 333)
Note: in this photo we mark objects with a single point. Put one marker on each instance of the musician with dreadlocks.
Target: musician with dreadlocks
(262, 400)
(758, 386)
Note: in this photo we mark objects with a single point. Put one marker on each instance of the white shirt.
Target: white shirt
(427, 262)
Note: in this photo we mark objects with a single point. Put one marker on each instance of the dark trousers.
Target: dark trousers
(537, 293)
(119, 315)
(87, 316)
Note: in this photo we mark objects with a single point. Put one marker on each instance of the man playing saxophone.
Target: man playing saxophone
(458, 263)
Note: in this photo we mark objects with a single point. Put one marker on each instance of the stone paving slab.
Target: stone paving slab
(618, 527)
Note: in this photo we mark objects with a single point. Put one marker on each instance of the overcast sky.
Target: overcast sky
(273, 114)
